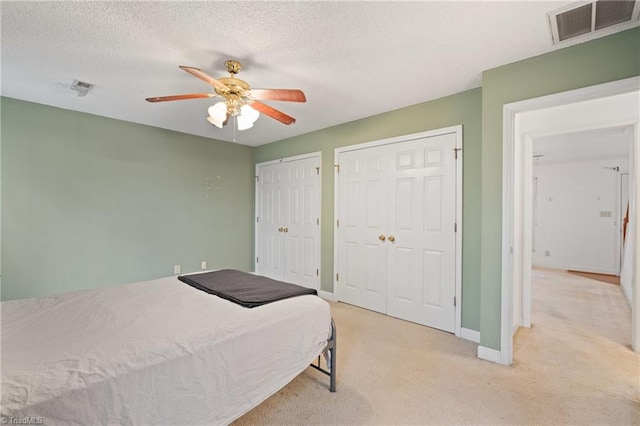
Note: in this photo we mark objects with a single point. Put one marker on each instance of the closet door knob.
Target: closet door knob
(285, 229)
(382, 237)
(280, 229)
(392, 238)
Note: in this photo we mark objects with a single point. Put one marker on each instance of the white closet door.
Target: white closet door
(271, 200)
(421, 220)
(362, 213)
(288, 221)
(302, 222)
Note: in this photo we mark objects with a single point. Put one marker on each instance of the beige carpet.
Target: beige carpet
(573, 366)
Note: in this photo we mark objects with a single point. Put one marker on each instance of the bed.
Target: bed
(154, 352)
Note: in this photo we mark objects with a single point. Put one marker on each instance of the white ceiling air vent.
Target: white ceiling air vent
(81, 87)
(589, 18)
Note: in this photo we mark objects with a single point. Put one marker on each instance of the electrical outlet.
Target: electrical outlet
(176, 269)
(203, 265)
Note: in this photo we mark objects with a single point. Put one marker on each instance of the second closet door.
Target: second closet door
(287, 214)
(396, 232)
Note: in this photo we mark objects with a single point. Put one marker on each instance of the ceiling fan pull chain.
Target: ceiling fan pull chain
(235, 124)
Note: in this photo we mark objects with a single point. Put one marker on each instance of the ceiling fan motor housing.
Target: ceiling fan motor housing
(235, 85)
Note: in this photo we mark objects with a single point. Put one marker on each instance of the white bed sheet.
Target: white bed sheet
(154, 352)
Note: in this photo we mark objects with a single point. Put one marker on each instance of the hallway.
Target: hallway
(580, 334)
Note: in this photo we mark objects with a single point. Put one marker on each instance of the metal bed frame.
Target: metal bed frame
(330, 351)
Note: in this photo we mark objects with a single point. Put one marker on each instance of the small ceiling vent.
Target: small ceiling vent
(81, 87)
(583, 18)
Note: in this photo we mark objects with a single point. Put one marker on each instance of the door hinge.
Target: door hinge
(338, 223)
(337, 277)
(454, 301)
(455, 227)
(317, 170)
(257, 178)
(318, 221)
(455, 151)
(337, 166)
(257, 219)
(317, 272)
(257, 259)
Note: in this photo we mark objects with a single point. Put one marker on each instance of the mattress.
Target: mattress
(154, 352)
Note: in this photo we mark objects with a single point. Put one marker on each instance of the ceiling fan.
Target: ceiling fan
(240, 100)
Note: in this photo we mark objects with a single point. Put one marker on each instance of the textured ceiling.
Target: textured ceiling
(352, 59)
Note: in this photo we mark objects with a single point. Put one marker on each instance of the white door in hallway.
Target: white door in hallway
(288, 220)
(396, 230)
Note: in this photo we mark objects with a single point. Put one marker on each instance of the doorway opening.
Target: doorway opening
(592, 109)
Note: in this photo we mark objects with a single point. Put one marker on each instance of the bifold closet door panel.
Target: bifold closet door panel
(301, 238)
(271, 213)
(362, 211)
(421, 221)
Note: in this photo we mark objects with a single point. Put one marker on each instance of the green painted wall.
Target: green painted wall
(89, 201)
(463, 108)
(607, 59)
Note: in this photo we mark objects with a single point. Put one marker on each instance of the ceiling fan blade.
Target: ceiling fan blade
(273, 113)
(205, 77)
(287, 95)
(181, 97)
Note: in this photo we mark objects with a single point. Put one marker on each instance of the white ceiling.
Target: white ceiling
(588, 145)
(352, 59)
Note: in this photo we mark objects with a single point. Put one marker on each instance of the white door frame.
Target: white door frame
(317, 155)
(514, 250)
(457, 130)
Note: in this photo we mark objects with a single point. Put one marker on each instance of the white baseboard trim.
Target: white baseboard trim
(326, 295)
(576, 268)
(469, 334)
(489, 354)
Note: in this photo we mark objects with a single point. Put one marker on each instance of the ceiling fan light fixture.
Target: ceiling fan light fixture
(244, 124)
(218, 112)
(248, 113)
(215, 122)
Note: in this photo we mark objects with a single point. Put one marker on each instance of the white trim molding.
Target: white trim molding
(292, 158)
(489, 354)
(468, 334)
(326, 295)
